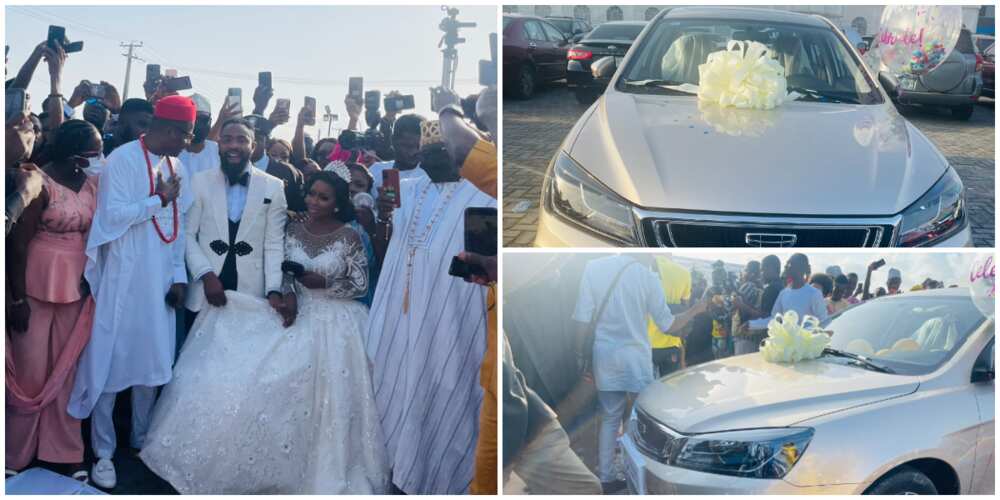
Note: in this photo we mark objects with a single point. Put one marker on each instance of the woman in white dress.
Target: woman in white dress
(265, 404)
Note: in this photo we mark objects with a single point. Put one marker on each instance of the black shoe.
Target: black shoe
(613, 487)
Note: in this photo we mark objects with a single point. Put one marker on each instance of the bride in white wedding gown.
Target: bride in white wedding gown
(258, 408)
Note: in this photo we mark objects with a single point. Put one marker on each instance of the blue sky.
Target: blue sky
(311, 50)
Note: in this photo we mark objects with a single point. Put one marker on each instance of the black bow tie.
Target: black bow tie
(242, 179)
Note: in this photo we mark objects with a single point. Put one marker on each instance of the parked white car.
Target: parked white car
(901, 402)
(648, 165)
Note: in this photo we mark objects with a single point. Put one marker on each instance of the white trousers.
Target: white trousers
(613, 405)
(102, 425)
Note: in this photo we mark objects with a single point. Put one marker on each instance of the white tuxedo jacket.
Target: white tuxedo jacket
(262, 232)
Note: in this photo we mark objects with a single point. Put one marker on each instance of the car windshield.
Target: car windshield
(564, 25)
(983, 43)
(624, 32)
(817, 63)
(910, 335)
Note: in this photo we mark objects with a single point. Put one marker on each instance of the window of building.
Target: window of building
(615, 13)
(651, 13)
(582, 12)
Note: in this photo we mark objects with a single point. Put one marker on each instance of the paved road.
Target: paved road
(533, 129)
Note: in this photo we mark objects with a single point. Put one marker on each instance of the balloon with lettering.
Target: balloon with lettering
(916, 39)
(982, 284)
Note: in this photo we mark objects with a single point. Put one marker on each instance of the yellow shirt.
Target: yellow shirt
(676, 283)
(480, 167)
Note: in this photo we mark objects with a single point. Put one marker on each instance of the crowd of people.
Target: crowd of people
(638, 317)
(283, 321)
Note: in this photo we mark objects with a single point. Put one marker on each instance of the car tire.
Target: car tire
(903, 481)
(586, 96)
(963, 113)
(527, 82)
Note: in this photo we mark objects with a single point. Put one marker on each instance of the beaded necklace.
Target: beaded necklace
(413, 240)
(152, 191)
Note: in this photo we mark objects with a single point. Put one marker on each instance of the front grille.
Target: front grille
(651, 437)
(734, 234)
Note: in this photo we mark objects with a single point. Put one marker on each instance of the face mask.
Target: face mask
(94, 166)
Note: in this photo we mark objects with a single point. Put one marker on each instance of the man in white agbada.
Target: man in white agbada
(135, 268)
(427, 330)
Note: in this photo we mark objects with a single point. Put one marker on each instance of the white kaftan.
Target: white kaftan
(426, 361)
(130, 270)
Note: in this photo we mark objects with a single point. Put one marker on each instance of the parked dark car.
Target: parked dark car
(611, 39)
(573, 28)
(989, 60)
(534, 52)
(955, 84)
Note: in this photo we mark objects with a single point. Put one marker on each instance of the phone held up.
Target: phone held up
(16, 102)
(390, 183)
(480, 238)
(235, 97)
(310, 104)
(57, 36)
(264, 79)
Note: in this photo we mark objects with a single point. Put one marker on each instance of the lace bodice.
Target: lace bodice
(338, 256)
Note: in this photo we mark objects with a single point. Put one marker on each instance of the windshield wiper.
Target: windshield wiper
(859, 359)
(667, 85)
(817, 95)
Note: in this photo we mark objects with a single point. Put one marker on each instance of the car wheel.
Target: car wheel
(963, 112)
(527, 83)
(586, 96)
(903, 481)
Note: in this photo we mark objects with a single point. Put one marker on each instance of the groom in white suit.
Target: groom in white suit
(235, 227)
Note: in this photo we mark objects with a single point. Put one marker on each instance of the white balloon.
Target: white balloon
(916, 39)
(982, 284)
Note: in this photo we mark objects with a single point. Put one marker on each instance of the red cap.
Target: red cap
(176, 108)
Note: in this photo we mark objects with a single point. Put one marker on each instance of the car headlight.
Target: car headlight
(756, 453)
(578, 197)
(937, 214)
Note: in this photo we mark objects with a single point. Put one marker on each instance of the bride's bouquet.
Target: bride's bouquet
(788, 341)
(744, 75)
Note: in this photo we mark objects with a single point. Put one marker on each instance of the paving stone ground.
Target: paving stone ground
(533, 129)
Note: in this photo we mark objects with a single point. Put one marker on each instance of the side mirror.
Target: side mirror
(889, 83)
(604, 68)
(984, 371)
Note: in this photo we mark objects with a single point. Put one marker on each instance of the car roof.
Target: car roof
(939, 292)
(559, 17)
(745, 14)
(625, 23)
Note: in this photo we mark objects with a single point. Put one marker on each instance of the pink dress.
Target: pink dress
(41, 362)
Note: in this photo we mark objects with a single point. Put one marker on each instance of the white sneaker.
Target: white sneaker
(103, 474)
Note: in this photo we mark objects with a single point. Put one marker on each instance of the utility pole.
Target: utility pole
(329, 117)
(128, 66)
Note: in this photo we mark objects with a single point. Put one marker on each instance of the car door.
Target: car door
(558, 46)
(983, 479)
(538, 48)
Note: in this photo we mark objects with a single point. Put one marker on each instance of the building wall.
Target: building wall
(864, 18)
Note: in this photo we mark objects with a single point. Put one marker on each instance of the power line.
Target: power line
(128, 65)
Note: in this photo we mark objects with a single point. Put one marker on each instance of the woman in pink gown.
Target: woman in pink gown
(52, 312)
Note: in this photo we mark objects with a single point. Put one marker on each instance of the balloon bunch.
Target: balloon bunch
(929, 56)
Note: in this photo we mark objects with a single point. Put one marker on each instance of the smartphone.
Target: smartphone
(487, 73)
(57, 36)
(481, 230)
(395, 104)
(70, 48)
(390, 181)
(356, 87)
(480, 238)
(373, 99)
(264, 79)
(235, 95)
(283, 104)
(879, 263)
(97, 90)
(152, 72)
(310, 103)
(16, 102)
(179, 83)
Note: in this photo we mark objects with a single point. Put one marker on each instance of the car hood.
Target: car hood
(745, 392)
(802, 158)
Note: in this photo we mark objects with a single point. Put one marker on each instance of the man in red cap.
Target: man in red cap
(135, 269)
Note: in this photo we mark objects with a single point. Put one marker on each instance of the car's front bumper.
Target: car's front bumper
(554, 231)
(646, 476)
